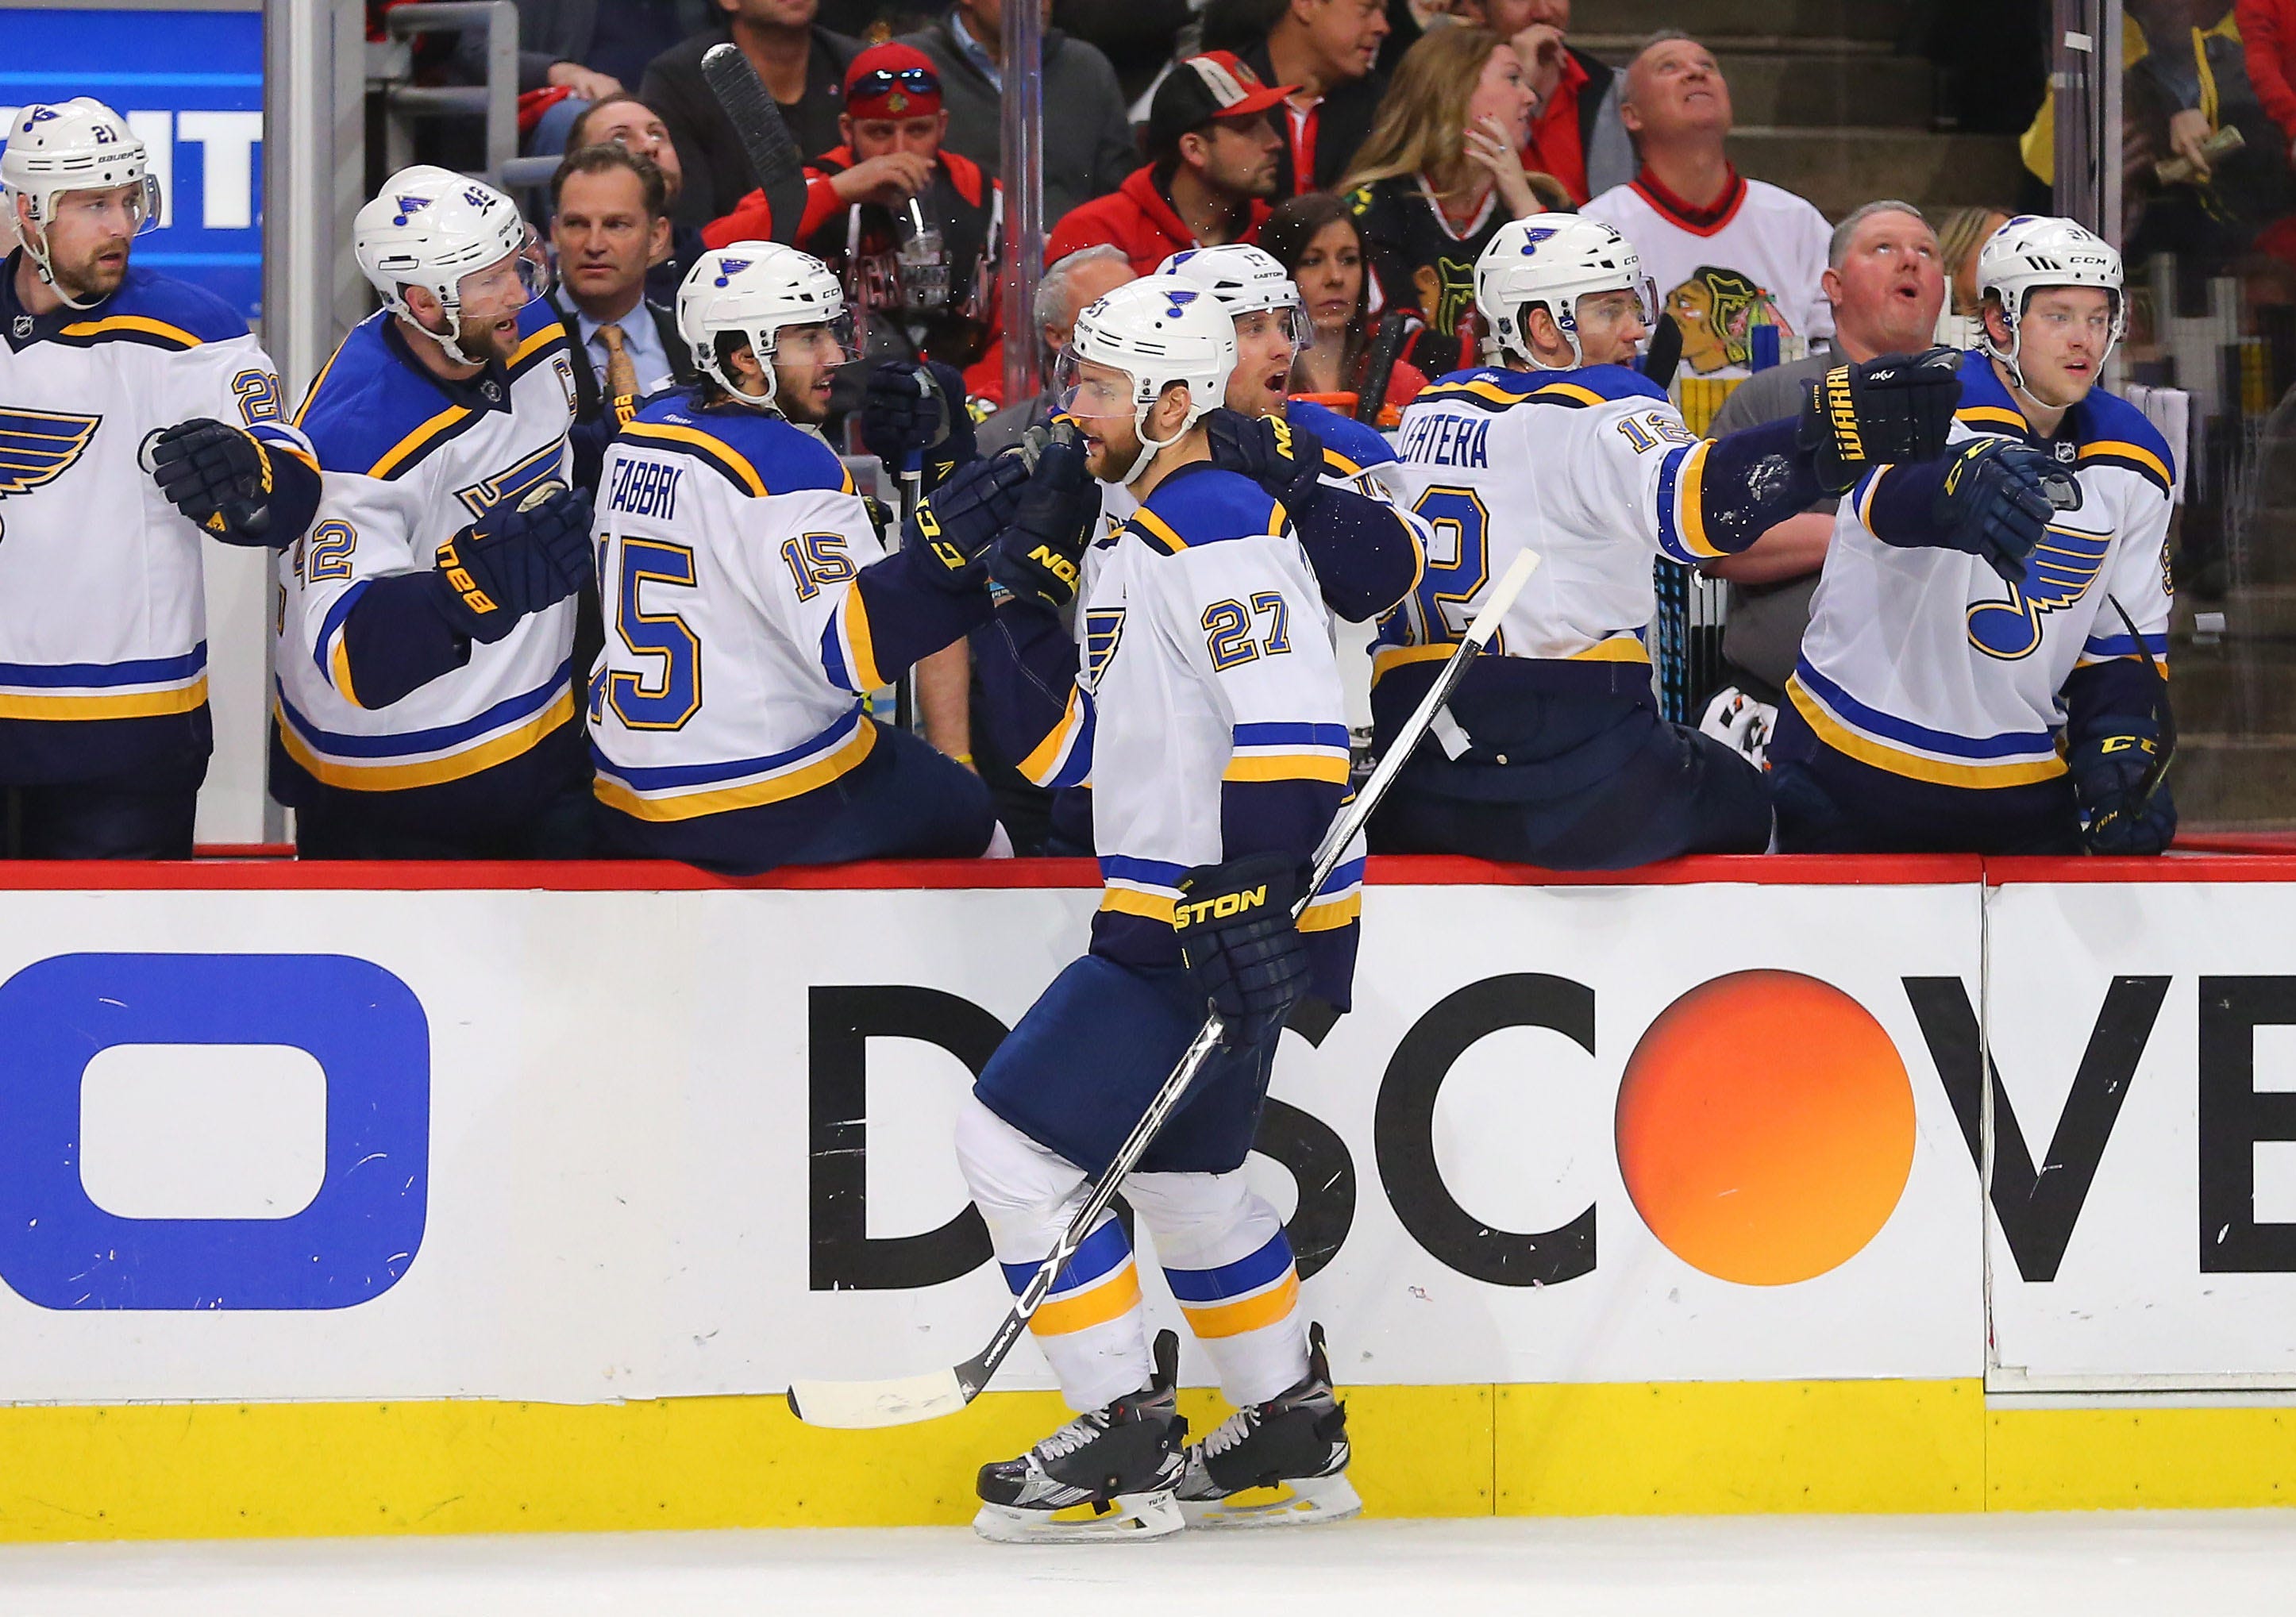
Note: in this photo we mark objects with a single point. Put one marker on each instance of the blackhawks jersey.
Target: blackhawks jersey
(1593, 469)
(411, 460)
(750, 605)
(1924, 663)
(103, 613)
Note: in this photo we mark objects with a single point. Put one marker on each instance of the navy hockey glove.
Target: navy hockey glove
(216, 474)
(955, 525)
(508, 563)
(1893, 410)
(916, 408)
(1242, 948)
(1041, 557)
(2116, 767)
(1994, 503)
(1284, 459)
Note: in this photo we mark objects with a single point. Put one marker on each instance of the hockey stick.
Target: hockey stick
(779, 165)
(903, 1399)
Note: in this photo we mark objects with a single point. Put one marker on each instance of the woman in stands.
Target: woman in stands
(1315, 240)
(1439, 173)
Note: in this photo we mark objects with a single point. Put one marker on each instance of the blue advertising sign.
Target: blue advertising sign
(191, 85)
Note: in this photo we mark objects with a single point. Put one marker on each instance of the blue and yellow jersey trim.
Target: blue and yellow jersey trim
(1064, 757)
(509, 729)
(1206, 516)
(1101, 1283)
(763, 462)
(331, 649)
(1915, 752)
(1287, 752)
(688, 792)
(849, 650)
(148, 687)
(1339, 901)
(1491, 388)
(1625, 645)
(1145, 888)
(2154, 468)
(1682, 504)
(132, 328)
(2109, 648)
(1256, 1291)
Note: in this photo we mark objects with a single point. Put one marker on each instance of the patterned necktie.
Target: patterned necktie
(621, 374)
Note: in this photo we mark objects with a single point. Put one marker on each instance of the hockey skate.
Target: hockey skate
(1108, 1474)
(1280, 1464)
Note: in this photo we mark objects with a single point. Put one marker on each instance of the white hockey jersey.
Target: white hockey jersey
(1592, 468)
(1924, 663)
(102, 608)
(737, 643)
(1758, 262)
(410, 462)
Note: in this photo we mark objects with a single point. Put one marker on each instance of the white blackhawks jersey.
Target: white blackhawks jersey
(409, 464)
(1758, 263)
(1925, 663)
(1207, 659)
(1593, 469)
(737, 646)
(103, 611)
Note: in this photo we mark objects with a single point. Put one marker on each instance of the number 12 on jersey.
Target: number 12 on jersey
(1458, 565)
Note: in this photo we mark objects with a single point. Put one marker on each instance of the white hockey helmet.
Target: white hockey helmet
(1243, 280)
(756, 290)
(2034, 251)
(433, 228)
(1551, 261)
(78, 144)
(1160, 332)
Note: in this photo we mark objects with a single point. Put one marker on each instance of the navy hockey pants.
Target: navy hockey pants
(904, 802)
(1080, 1069)
(147, 815)
(1829, 802)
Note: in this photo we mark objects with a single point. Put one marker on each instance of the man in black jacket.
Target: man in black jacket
(801, 63)
(1328, 49)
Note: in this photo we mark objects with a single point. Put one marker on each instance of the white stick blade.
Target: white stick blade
(1502, 596)
(859, 1405)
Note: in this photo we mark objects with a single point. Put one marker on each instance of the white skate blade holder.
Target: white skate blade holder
(1302, 1503)
(1130, 1516)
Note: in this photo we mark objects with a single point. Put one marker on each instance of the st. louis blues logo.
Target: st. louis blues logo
(509, 486)
(727, 268)
(1532, 238)
(39, 447)
(409, 206)
(2057, 574)
(1179, 301)
(40, 115)
(1103, 626)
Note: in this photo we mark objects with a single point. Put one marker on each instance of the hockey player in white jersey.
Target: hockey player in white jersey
(104, 727)
(1558, 755)
(751, 605)
(426, 701)
(1207, 707)
(1981, 670)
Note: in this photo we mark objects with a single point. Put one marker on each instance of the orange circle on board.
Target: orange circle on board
(1766, 1128)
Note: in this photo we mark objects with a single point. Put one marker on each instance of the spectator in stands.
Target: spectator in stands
(626, 122)
(1441, 171)
(590, 48)
(1315, 240)
(1961, 235)
(1069, 285)
(1325, 49)
(1885, 280)
(1212, 154)
(801, 63)
(1577, 135)
(2268, 33)
(1088, 148)
(1728, 254)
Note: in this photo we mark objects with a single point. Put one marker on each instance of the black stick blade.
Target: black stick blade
(774, 157)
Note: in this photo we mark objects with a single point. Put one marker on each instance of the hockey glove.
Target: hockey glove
(956, 524)
(1284, 459)
(216, 474)
(1040, 558)
(1893, 410)
(1994, 503)
(2124, 805)
(508, 563)
(1242, 948)
(916, 408)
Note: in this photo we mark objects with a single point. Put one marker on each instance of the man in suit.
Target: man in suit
(626, 122)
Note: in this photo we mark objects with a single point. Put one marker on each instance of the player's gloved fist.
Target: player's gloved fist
(1284, 459)
(913, 407)
(1242, 948)
(1994, 503)
(954, 525)
(215, 474)
(1893, 410)
(1040, 557)
(2124, 805)
(508, 563)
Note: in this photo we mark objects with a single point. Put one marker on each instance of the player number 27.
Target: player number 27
(1228, 630)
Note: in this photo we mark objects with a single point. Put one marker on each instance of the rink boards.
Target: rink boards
(499, 1197)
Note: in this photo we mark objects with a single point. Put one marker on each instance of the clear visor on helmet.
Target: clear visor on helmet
(1289, 317)
(1644, 291)
(505, 285)
(1090, 391)
(830, 342)
(135, 205)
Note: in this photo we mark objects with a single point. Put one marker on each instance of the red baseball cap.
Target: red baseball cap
(891, 80)
(1217, 85)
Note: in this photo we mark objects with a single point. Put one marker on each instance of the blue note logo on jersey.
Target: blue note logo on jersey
(39, 447)
(2057, 574)
(1103, 626)
(507, 488)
